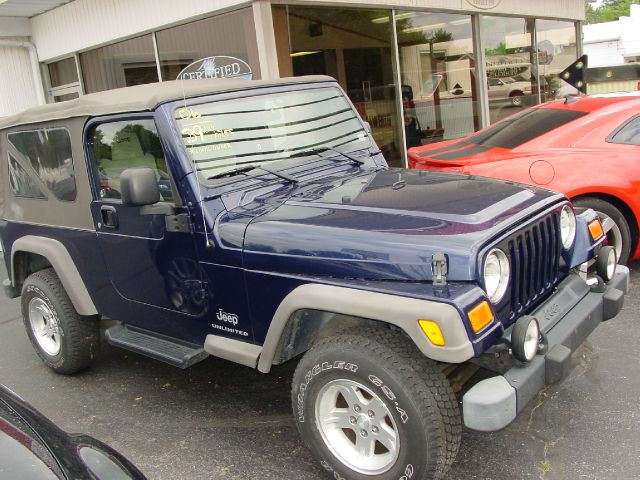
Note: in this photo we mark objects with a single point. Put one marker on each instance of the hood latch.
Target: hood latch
(439, 269)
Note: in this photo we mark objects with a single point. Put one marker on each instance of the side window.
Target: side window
(48, 150)
(22, 185)
(120, 145)
(628, 134)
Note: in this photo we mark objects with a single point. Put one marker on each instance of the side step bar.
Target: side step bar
(161, 347)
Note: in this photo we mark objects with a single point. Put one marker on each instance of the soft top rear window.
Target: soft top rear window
(524, 126)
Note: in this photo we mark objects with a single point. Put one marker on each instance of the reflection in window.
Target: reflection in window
(556, 51)
(120, 145)
(232, 34)
(121, 64)
(438, 76)
(22, 185)
(507, 43)
(48, 151)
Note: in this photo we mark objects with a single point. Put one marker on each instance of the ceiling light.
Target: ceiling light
(302, 54)
(425, 27)
(399, 16)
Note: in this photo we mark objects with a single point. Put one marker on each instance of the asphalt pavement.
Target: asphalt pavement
(223, 421)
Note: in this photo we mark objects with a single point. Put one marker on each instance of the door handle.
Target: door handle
(109, 216)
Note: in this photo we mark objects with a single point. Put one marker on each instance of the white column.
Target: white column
(481, 72)
(267, 53)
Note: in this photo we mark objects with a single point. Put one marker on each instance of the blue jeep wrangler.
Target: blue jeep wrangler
(257, 221)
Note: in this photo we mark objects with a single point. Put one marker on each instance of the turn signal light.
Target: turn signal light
(432, 330)
(480, 316)
(595, 229)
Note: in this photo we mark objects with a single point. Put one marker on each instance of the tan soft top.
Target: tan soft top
(141, 98)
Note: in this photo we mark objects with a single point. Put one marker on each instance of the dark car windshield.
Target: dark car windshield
(230, 134)
(524, 126)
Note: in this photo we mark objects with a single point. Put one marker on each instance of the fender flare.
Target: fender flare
(58, 256)
(402, 312)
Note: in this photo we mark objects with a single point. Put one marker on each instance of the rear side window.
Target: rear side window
(524, 126)
(627, 134)
(46, 152)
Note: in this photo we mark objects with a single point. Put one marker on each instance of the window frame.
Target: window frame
(90, 157)
(610, 138)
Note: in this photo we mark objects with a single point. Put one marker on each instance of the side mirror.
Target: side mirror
(139, 187)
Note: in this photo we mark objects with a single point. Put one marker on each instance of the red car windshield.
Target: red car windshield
(524, 126)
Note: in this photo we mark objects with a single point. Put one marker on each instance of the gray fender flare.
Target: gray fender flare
(59, 258)
(400, 311)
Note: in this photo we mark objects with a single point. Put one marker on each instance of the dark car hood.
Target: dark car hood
(34, 447)
(387, 224)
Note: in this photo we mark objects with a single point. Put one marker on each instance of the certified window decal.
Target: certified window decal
(216, 67)
(484, 4)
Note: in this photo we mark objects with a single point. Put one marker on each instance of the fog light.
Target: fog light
(525, 338)
(607, 262)
(432, 330)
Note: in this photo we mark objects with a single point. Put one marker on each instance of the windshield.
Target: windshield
(227, 135)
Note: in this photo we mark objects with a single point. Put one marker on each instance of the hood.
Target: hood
(387, 224)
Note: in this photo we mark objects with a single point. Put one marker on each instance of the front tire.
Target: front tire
(369, 405)
(65, 340)
(614, 223)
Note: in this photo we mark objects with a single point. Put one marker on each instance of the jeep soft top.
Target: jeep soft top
(257, 221)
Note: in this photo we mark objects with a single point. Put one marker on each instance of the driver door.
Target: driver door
(146, 263)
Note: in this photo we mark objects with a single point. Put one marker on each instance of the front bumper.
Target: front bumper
(566, 319)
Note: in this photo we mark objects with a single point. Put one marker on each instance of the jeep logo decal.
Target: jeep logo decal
(223, 316)
(216, 67)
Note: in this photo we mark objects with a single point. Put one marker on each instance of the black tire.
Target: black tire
(423, 408)
(78, 336)
(516, 98)
(618, 218)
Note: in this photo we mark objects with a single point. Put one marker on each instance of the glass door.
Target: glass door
(437, 68)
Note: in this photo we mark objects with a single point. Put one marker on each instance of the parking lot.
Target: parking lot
(219, 420)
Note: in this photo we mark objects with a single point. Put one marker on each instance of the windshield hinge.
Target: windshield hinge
(439, 269)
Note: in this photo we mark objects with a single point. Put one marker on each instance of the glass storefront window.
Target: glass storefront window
(511, 76)
(437, 68)
(63, 72)
(122, 64)
(232, 34)
(556, 41)
(355, 46)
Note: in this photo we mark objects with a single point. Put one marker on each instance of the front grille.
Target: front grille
(535, 255)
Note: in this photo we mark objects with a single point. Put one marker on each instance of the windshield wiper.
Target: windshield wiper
(248, 168)
(232, 173)
(319, 150)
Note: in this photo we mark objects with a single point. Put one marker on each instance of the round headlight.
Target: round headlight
(567, 226)
(496, 274)
(525, 338)
(607, 262)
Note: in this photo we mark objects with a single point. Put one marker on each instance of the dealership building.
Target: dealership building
(452, 65)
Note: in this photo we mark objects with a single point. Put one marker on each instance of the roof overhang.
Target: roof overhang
(28, 8)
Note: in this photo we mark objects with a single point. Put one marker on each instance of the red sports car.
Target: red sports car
(585, 147)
